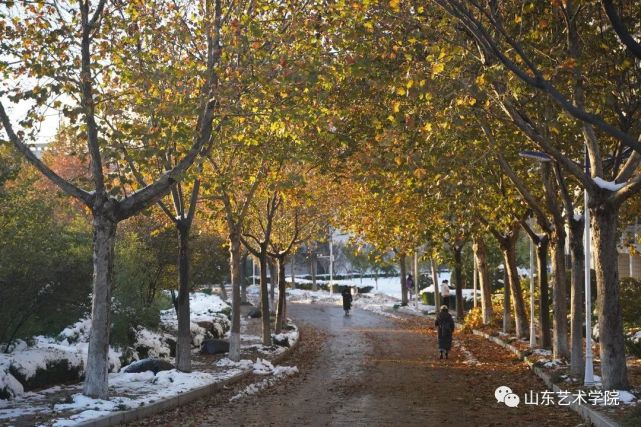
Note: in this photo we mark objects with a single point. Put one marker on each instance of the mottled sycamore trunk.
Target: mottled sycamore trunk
(544, 293)
(520, 316)
(614, 371)
(458, 276)
(104, 234)
(264, 299)
(437, 293)
(234, 268)
(480, 254)
(282, 297)
(401, 259)
(313, 265)
(183, 342)
(577, 260)
(273, 280)
(560, 347)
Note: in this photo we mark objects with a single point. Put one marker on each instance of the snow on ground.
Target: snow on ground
(264, 367)
(377, 302)
(470, 359)
(129, 391)
(70, 347)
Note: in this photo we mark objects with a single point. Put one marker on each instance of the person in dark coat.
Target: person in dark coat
(444, 327)
(347, 300)
(409, 282)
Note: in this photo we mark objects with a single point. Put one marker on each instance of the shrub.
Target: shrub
(45, 268)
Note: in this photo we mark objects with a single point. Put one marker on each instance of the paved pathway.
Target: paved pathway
(367, 369)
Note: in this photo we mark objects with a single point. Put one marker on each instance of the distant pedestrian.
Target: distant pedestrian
(444, 327)
(445, 292)
(347, 300)
(409, 283)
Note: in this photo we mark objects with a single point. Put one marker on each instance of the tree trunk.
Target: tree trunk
(560, 348)
(264, 298)
(576, 298)
(223, 291)
(273, 279)
(243, 277)
(401, 260)
(183, 342)
(614, 371)
(458, 268)
(293, 266)
(312, 268)
(437, 294)
(520, 316)
(234, 268)
(282, 287)
(544, 296)
(507, 321)
(104, 233)
(480, 254)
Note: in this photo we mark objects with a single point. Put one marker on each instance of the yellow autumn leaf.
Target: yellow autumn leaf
(396, 107)
(395, 5)
(438, 68)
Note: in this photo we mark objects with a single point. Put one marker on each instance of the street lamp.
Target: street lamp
(588, 376)
(542, 158)
(532, 256)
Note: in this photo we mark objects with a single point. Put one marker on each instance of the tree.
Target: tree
(78, 75)
(489, 27)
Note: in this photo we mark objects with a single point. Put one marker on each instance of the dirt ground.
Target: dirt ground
(367, 369)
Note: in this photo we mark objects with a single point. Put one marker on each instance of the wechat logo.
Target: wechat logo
(504, 394)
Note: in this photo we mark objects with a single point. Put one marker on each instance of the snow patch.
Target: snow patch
(264, 367)
(607, 185)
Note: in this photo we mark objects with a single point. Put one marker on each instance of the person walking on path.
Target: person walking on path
(347, 300)
(409, 283)
(444, 327)
(445, 292)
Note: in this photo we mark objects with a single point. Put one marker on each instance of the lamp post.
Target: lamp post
(532, 256)
(588, 377)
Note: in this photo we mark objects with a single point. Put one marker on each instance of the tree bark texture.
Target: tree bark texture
(264, 298)
(577, 254)
(611, 339)
(104, 234)
(234, 268)
(183, 342)
(560, 347)
(544, 294)
(282, 288)
(458, 276)
(401, 260)
(480, 254)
